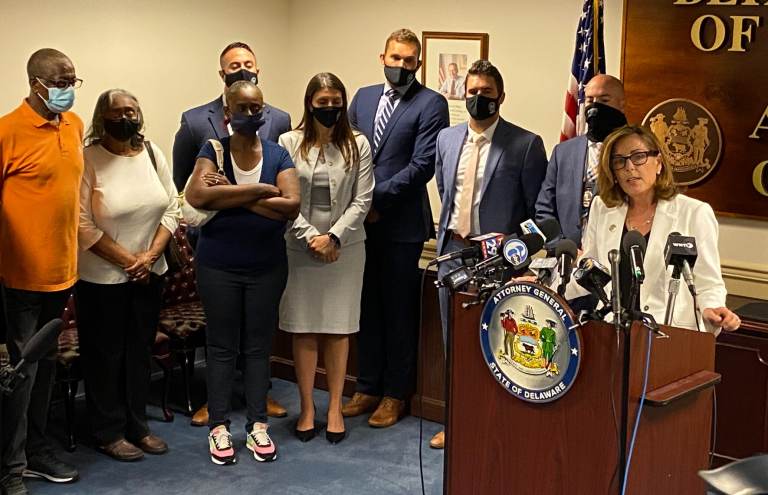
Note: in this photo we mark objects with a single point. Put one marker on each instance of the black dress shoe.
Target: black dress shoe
(305, 435)
(334, 436)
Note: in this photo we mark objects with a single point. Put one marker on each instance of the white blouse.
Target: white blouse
(125, 198)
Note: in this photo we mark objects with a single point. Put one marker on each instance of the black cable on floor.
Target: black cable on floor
(420, 384)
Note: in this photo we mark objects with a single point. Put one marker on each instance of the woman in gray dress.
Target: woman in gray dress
(326, 248)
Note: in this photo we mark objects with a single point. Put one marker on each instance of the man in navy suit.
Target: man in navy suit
(205, 122)
(199, 124)
(401, 119)
(489, 172)
(569, 187)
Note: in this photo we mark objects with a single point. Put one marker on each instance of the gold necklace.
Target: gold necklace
(646, 222)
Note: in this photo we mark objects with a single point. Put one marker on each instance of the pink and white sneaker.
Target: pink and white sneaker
(220, 445)
(259, 442)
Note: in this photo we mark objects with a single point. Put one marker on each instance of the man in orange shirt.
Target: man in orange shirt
(41, 163)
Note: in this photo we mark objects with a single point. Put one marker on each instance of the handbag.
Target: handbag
(197, 217)
(172, 254)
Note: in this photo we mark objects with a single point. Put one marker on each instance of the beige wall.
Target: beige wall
(166, 53)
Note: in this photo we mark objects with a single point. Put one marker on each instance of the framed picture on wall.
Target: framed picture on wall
(446, 57)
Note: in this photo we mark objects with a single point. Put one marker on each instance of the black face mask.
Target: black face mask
(400, 78)
(602, 120)
(327, 116)
(246, 125)
(241, 75)
(481, 107)
(123, 129)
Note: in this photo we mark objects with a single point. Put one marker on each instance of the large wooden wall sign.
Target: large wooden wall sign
(696, 73)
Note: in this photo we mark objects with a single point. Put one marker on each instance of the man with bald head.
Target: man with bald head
(237, 62)
(41, 163)
(569, 187)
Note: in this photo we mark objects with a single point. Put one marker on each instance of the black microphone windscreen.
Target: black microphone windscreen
(566, 246)
(633, 238)
(550, 227)
(533, 242)
(42, 341)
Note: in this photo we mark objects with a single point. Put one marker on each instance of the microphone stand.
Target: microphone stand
(674, 288)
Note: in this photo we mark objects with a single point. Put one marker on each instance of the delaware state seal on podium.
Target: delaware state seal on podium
(530, 341)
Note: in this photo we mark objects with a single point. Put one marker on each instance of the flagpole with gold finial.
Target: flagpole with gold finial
(595, 34)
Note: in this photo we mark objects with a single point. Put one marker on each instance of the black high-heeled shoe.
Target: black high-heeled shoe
(335, 437)
(305, 435)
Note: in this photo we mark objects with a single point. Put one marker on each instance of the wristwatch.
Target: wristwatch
(335, 239)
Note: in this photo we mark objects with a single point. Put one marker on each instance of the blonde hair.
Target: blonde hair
(404, 36)
(610, 191)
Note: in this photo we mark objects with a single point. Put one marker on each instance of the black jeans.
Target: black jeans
(389, 318)
(117, 324)
(242, 310)
(25, 411)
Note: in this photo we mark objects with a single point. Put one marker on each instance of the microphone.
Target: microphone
(680, 252)
(544, 269)
(489, 244)
(614, 258)
(465, 254)
(565, 252)
(38, 346)
(548, 229)
(515, 253)
(634, 245)
(593, 276)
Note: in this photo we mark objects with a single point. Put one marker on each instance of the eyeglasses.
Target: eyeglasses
(637, 158)
(61, 84)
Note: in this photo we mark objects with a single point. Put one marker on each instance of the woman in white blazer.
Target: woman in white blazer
(637, 192)
(325, 245)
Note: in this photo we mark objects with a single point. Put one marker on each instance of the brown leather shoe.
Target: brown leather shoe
(122, 450)
(200, 418)
(360, 403)
(390, 410)
(152, 444)
(438, 441)
(274, 409)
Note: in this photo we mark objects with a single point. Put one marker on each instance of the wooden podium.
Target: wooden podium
(496, 443)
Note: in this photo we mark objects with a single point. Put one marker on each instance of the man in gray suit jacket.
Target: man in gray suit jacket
(205, 122)
(489, 172)
(569, 187)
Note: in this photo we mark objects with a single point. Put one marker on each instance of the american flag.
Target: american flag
(588, 60)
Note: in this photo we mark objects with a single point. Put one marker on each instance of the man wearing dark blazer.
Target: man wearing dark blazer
(488, 171)
(205, 122)
(199, 124)
(401, 119)
(569, 186)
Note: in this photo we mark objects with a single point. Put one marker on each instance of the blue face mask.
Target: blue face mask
(59, 100)
(246, 125)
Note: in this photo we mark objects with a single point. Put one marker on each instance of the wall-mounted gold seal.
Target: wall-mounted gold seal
(690, 137)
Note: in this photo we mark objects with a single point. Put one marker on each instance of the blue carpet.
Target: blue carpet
(380, 462)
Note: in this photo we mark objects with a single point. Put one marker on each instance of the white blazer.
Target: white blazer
(351, 188)
(689, 217)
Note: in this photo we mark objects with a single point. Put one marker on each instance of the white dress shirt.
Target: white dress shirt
(383, 103)
(454, 88)
(125, 198)
(466, 154)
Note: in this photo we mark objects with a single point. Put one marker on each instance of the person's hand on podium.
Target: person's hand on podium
(523, 278)
(722, 317)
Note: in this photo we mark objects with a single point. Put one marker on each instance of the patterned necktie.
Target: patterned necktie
(381, 124)
(468, 189)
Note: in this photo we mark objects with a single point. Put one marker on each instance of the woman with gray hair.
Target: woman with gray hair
(128, 212)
